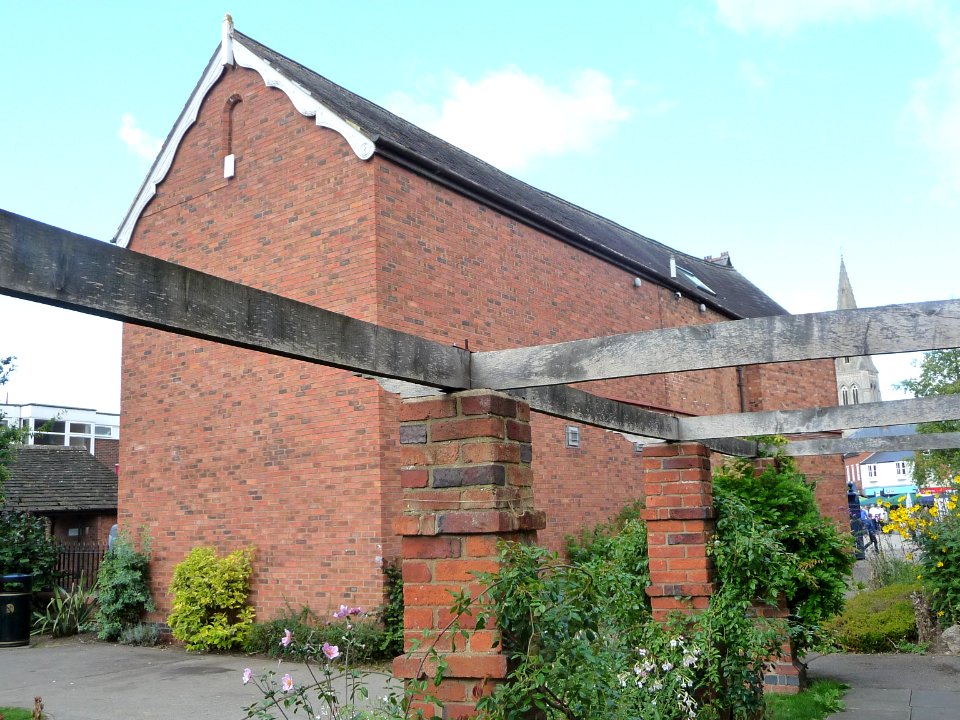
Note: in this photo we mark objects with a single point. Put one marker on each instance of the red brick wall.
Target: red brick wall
(230, 447)
(453, 270)
(107, 452)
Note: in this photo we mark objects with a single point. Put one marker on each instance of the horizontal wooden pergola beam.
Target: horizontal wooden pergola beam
(781, 338)
(46, 264)
(821, 419)
(579, 406)
(838, 446)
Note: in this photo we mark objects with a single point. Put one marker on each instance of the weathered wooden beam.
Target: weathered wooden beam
(579, 406)
(835, 446)
(819, 419)
(46, 264)
(782, 338)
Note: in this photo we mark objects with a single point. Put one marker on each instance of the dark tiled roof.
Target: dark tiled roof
(46, 478)
(888, 456)
(427, 154)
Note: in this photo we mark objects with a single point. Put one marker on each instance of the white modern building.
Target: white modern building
(59, 425)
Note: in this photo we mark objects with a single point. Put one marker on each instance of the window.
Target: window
(104, 431)
(695, 281)
(573, 437)
(83, 442)
(902, 468)
(871, 470)
(846, 361)
(855, 392)
(843, 395)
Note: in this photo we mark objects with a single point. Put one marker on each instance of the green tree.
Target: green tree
(939, 375)
(9, 436)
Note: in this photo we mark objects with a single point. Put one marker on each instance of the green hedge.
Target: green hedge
(876, 621)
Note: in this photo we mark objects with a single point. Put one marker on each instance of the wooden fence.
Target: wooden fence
(79, 561)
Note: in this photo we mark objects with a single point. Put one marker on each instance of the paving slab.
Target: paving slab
(887, 687)
(84, 679)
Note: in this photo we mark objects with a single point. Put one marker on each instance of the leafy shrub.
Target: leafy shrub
(26, 548)
(210, 607)
(940, 563)
(876, 620)
(819, 556)
(368, 642)
(581, 641)
(887, 568)
(69, 612)
(140, 635)
(124, 588)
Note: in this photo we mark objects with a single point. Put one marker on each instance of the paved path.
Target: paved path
(894, 687)
(82, 679)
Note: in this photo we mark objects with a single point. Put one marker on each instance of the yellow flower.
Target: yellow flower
(919, 577)
(940, 613)
(940, 564)
(908, 556)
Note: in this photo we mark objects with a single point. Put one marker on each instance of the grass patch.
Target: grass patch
(816, 702)
(9, 713)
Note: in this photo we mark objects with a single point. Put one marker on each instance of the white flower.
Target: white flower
(667, 666)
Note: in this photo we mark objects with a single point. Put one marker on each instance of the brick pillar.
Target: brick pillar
(680, 520)
(466, 482)
(784, 674)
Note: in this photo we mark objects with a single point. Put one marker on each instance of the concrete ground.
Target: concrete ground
(894, 687)
(83, 679)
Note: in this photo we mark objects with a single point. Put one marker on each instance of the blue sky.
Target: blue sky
(786, 133)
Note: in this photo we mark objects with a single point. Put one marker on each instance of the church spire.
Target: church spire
(857, 377)
(845, 299)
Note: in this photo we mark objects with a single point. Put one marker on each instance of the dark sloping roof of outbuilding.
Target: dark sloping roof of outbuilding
(48, 478)
(720, 286)
(888, 456)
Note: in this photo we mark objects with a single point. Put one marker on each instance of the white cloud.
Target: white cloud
(510, 118)
(139, 141)
(784, 16)
(934, 107)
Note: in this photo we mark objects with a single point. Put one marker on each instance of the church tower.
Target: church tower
(857, 377)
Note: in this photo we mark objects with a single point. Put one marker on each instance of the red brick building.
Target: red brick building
(279, 179)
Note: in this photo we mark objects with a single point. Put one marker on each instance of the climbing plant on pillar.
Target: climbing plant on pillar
(817, 558)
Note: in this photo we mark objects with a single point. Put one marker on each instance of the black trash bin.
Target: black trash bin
(15, 596)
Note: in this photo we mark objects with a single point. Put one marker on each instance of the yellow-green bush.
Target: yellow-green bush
(876, 620)
(210, 607)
